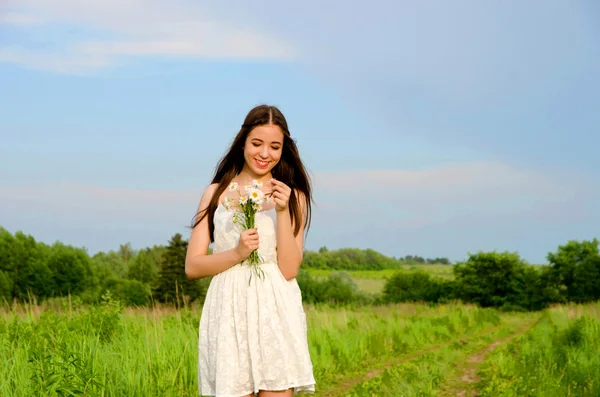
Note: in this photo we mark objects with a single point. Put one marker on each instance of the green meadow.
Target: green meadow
(372, 281)
(68, 349)
(125, 323)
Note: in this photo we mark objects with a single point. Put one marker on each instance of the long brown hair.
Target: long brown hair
(288, 170)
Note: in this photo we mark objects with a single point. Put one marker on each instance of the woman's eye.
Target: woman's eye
(256, 144)
(275, 147)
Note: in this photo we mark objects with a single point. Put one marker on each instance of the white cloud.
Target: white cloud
(447, 210)
(415, 195)
(393, 211)
(454, 209)
(62, 62)
(115, 31)
(15, 18)
(78, 203)
(437, 194)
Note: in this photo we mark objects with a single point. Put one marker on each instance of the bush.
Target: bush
(500, 280)
(135, 293)
(337, 288)
(416, 286)
(575, 270)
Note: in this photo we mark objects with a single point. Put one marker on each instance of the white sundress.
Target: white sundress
(252, 335)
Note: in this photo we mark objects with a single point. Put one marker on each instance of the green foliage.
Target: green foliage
(6, 286)
(417, 286)
(360, 259)
(337, 288)
(111, 263)
(103, 351)
(348, 259)
(575, 271)
(31, 270)
(24, 261)
(502, 280)
(71, 268)
(143, 267)
(126, 252)
(173, 285)
(416, 259)
(136, 293)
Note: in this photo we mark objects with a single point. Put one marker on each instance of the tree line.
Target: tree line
(504, 280)
(361, 259)
(501, 280)
(34, 271)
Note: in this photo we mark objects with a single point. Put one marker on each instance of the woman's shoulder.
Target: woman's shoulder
(208, 194)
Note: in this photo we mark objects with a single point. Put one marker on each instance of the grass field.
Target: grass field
(372, 281)
(408, 350)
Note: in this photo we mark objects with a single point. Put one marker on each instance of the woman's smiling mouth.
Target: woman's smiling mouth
(261, 164)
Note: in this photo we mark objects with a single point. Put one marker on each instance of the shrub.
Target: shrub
(416, 286)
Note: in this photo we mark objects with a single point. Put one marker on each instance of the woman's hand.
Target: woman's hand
(280, 194)
(248, 243)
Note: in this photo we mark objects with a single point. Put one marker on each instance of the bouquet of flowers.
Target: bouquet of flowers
(248, 205)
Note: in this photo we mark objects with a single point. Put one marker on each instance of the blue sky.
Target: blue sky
(435, 130)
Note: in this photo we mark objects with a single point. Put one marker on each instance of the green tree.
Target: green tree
(173, 285)
(337, 288)
(576, 270)
(126, 252)
(25, 262)
(417, 286)
(7, 251)
(348, 259)
(71, 269)
(492, 279)
(143, 267)
(113, 262)
(5, 287)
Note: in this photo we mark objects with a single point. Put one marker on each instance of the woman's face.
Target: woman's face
(263, 148)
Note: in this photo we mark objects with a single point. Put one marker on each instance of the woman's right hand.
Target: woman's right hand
(248, 243)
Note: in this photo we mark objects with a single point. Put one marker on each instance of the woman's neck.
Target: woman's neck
(245, 177)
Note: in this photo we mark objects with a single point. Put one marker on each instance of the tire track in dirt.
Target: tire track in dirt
(346, 385)
(463, 385)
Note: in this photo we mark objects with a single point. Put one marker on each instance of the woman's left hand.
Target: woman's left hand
(280, 194)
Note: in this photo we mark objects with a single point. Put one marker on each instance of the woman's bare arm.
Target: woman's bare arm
(197, 263)
(290, 247)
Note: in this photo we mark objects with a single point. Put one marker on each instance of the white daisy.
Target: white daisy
(243, 200)
(233, 186)
(256, 196)
(256, 184)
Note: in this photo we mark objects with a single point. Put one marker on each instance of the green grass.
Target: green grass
(111, 351)
(444, 271)
(433, 372)
(372, 281)
(424, 375)
(559, 357)
(407, 349)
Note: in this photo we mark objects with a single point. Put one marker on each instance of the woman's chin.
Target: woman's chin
(260, 172)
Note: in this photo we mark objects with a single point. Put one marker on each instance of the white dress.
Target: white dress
(253, 333)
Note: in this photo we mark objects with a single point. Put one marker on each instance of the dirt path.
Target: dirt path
(463, 385)
(342, 388)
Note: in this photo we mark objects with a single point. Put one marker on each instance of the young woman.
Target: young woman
(253, 328)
